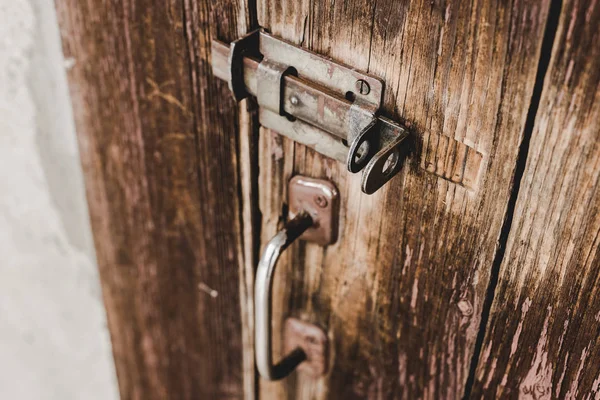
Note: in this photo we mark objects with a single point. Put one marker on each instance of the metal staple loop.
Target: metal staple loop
(269, 80)
(244, 46)
(360, 124)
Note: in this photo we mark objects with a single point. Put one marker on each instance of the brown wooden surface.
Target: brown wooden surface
(401, 293)
(174, 175)
(158, 143)
(543, 338)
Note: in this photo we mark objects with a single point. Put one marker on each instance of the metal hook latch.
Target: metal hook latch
(313, 207)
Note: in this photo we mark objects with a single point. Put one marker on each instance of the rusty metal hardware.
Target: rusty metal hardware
(315, 101)
(298, 334)
(318, 198)
(313, 212)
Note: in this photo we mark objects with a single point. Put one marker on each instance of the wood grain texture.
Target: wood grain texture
(158, 144)
(400, 294)
(543, 338)
(227, 21)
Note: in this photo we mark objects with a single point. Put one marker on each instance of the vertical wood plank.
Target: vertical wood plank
(401, 293)
(543, 338)
(227, 21)
(159, 145)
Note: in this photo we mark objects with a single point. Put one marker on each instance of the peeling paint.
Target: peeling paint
(407, 260)
(465, 307)
(595, 387)
(415, 293)
(515, 340)
(572, 393)
(538, 381)
(562, 376)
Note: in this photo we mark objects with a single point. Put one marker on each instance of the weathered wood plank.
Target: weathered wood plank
(158, 143)
(401, 293)
(543, 338)
(226, 21)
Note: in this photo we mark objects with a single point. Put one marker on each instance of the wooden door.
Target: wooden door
(402, 293)
(472, 273)
(161, 153)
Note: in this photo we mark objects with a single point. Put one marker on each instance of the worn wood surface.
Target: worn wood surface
(543, 338)
(400, 294)
(158, 144)
(172, 181)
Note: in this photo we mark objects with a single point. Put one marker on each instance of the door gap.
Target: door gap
(543, 64)
(253, 133)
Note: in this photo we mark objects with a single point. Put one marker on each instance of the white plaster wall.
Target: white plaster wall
(54, 343)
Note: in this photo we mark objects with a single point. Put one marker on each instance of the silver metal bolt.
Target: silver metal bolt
(362, 86)
(294, 100)
(321, 201)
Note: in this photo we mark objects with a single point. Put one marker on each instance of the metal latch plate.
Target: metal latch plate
(318, 198)
(306, 134)
(322, 70)
(334, 78)
(312, 340)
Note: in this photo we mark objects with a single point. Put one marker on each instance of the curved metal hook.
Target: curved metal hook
(262, 301)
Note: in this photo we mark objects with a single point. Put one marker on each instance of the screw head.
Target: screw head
(321, 201)
(294, 100)
(362, 86)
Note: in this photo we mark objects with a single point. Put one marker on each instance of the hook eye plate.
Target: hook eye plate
(312, 340)
(320, 199)
(388, 161)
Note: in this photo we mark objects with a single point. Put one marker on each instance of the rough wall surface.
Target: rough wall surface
(54, 343)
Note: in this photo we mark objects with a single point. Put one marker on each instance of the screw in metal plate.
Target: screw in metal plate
(294, 100)
(321, 201)
(362, 86)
